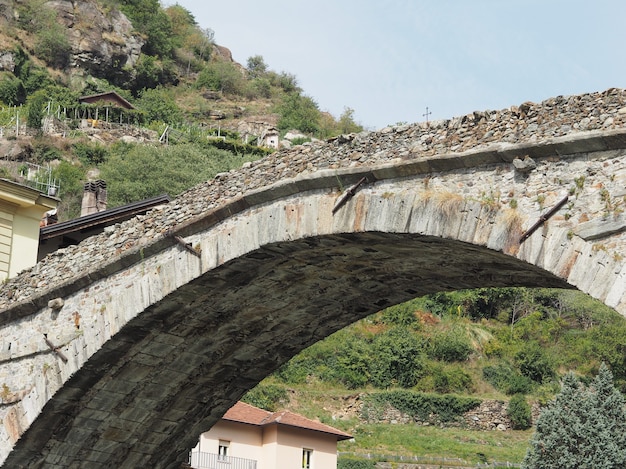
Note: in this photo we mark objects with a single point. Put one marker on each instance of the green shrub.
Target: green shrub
(5, 173)
(44, 152)
(343, 359)
(35, 111)
(493, 348)
(397, 359)
(158, 106)
(90, 153)
(34, 78)
(450, 346)
(71, 178)
(449, 379)
(296, 370)
(266, 396)
(506, 379)
(534, 363)
(259, 87)
(52, 46)
(137, 172)
(481, 303)
(51, 42)
(11, 90)
(398, 315)
(300, 140)
(349, 463)
(286, 81)
(221, 76)
(419, 405)
(519, 412)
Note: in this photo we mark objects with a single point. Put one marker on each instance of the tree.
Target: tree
(256, 66)
(346, 122)
(221, 76)
(151, 20)
(36, 105)
(299, 112)
(159, 106)
(583, 428)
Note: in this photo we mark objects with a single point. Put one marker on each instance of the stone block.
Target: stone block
(599, 228)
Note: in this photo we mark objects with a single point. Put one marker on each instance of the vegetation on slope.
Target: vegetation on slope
(512, 344)
(181, 82)
(179, 61)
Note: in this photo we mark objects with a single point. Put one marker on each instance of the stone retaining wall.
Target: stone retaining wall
(491, 414)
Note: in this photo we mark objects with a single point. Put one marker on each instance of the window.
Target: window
(222, 450)
(307, 456)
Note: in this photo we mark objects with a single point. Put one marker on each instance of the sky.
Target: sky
(390, 60)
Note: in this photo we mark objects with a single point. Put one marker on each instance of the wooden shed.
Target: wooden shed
(104, 99)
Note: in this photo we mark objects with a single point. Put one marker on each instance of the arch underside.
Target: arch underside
(172, 372)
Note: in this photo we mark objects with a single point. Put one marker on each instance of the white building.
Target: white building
(251, 438)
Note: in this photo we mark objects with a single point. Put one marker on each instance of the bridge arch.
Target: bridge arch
(154, 344)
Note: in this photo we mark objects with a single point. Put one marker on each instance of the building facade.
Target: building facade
(21, 211)
(251, 438)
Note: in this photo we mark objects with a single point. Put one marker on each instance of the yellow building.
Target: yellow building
(21, 211)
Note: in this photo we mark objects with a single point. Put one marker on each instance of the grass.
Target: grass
(317, 401)
(473, 446)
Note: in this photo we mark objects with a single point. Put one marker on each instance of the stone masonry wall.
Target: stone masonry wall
(491, 414)
(529, 123)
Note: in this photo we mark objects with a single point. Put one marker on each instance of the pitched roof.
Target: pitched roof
(99, 220)
(111, 95)
(246, 413)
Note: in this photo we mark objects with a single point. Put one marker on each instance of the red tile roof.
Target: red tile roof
(245, 413)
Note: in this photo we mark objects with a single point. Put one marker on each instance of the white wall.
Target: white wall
(273, 446)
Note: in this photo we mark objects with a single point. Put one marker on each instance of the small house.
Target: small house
(251, 438)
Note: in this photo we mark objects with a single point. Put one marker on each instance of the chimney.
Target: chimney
(94, 197)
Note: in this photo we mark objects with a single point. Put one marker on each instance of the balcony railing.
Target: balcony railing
(199, 460)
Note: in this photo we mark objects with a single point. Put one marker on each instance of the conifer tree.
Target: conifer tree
(583, 428)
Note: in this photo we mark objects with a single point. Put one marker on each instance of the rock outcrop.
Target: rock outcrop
(103, 44)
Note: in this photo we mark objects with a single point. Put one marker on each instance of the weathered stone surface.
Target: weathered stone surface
(148, 325)
(7, 61)
(601, 227)
(100, 41)
(525, 165)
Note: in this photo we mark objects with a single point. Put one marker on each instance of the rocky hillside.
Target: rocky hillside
(98, 42)
(134, 46)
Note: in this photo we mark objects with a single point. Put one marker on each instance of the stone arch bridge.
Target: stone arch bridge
(120, 351)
